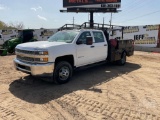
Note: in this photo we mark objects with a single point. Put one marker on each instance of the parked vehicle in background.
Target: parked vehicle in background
(1, 40)
(70, 49)
(23, 37)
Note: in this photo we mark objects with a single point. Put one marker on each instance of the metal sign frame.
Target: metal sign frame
(104, 10)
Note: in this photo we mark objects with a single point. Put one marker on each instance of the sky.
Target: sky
(45, 13)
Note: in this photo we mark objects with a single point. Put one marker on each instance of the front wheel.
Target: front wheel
(62, 73)
(122, 61)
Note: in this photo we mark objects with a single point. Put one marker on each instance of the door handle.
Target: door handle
(105, 44)
(92, 46)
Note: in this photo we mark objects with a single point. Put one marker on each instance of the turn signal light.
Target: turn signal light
(44, 59)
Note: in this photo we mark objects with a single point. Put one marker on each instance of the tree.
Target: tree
(11, 25)
(16, 25)
(2, 25)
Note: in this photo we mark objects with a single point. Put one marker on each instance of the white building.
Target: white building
(147, 36)
(39, 34)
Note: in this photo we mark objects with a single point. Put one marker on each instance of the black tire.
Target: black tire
(62, 72)
(122, 61)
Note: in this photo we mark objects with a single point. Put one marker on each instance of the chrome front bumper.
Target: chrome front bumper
(35, 69)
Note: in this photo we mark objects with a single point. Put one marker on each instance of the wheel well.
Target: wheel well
(68, 58)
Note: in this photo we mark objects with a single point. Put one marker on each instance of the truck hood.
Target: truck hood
(39, 45)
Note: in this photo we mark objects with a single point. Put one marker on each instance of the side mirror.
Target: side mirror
(89, 40)
(79, 42)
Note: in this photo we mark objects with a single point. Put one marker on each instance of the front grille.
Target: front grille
(25, 51)
(29, 59)
(29, 56)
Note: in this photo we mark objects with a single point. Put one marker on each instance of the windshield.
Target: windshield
(63, 36)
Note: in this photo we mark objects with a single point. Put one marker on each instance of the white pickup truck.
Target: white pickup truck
(69, 49)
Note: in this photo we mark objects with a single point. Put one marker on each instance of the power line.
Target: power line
(140, 16)
(132, 3)
(140, 5)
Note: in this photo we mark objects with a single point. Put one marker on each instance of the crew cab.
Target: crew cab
(67, 50)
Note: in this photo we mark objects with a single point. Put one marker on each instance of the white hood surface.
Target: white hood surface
(39, 45)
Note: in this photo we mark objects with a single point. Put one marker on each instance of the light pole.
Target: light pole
(73, 20)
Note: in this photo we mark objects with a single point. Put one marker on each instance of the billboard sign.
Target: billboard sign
(75, 3)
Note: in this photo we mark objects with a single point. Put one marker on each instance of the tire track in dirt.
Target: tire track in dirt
(60, 109)
(53, 113)
(19, 107)
(112, 112)
(7, 114)
(51, 109)
(71, 109)
(28, 110)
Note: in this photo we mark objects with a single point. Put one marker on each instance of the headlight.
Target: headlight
(43, 53)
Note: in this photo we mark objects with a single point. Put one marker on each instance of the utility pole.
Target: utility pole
(111, 24)
(111, 20)
(73, 22)
(103, 20)
(91, 20)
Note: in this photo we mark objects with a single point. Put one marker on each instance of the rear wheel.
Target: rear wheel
(62, 73)
(122, 61)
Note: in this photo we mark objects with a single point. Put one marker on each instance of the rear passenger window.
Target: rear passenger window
(98, 36)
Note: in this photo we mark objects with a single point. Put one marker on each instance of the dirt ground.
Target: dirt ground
(103, 92)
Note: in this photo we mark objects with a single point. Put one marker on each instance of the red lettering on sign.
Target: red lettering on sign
(87, 1)
(78, 1)
(106, 1)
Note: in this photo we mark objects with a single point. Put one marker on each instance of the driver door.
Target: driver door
(85, 53)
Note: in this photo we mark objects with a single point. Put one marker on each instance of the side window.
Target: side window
(83, 37)
(98, 36)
